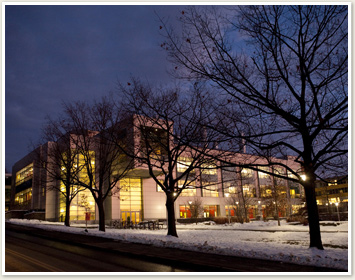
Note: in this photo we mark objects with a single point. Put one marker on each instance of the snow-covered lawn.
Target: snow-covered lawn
(258, 239)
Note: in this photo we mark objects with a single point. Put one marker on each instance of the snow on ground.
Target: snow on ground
(263, 240)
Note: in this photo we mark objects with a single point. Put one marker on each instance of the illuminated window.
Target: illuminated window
(24, 197)
(249, 190)
(183, 164)
(189, 190)
(263, 175)
(24, 174)
(209, 169)
(185, 211)
(210, 190)
(247, 173)
(210, 211)
(265, 191)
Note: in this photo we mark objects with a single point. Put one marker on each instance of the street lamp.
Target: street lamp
(190, 202)
(259, 210)
(336, 204)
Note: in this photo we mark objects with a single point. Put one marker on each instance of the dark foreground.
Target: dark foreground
(29, 249)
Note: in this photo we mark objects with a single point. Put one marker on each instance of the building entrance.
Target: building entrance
(131, 200)
(131, 216)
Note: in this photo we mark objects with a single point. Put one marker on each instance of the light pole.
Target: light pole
(336, 204)
(190, 202)
(237, 211)
(259, 211)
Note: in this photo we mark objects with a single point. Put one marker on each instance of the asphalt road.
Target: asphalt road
(29, 249)
(27, 253)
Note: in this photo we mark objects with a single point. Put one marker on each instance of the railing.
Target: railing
(152, 225)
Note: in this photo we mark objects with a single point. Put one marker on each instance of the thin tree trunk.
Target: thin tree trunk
(67, 211)
(100, 206)
(171, 215)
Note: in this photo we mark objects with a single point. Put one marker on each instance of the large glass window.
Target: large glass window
(24, 174)
(185, 211)
(131, 200)
(183, 164)
(209, 169)
(23, 197)
(83, 202)
(249, 190)
(265, 191)
(189, 190)
(248, 182)
(210, 211)
(210, 189)
(247, 173)
(229, 180)
(293, 186)
(263, 175)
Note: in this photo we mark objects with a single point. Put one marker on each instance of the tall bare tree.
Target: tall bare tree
(171, 139)
(104, 163)
(285, 70)
(59, 159)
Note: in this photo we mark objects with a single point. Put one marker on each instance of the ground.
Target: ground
(264, 240)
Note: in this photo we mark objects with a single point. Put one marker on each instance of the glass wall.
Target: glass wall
(185, 211)
(23, 197)
(24, 174)
(210, 211)
(131, 200)
(83, 201)
(229, 180)
(210, 189)
(183, 164)
(248, 182)
(189, 190)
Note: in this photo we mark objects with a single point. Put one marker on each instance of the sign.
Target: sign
(87, 216)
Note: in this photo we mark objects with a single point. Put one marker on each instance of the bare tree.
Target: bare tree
(59, 159)
(102, 159)
(196, 208)
(284, 69)
(171, 140)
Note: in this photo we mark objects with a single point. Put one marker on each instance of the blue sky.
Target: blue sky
(66, 52)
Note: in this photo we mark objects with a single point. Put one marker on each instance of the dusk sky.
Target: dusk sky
(56, 53)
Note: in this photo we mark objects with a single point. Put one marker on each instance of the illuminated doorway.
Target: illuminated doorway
(131, 200)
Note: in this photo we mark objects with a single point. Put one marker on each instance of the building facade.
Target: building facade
(223, 192)
(332, 197)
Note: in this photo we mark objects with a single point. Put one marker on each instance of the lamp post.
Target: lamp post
(336, 204)
(237, 211)
(259, 211)
(190, 202)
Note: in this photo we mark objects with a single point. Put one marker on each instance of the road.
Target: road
(31, 249)
(27, 253)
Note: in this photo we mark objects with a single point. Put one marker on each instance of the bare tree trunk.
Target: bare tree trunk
(100, 206)
(313, 217)
(67, 211)
(171, 215)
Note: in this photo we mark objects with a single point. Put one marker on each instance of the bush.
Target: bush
(220, 220)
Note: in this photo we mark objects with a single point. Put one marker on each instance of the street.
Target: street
(27, 253)
(31, 249)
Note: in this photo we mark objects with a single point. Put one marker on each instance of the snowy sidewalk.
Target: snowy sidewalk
(262, 240)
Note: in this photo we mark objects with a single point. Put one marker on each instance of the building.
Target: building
(8, 179)
(332, 197)
(140, 198)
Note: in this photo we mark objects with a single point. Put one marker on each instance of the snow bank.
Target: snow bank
(258, 239)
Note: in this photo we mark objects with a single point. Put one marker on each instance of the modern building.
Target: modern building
(8, 179)
(332, 197)
(140, 198)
